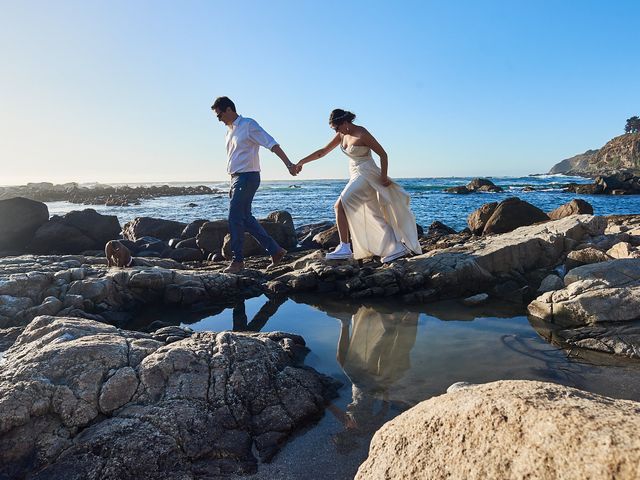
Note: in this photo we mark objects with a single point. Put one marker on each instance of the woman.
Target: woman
(372, 207)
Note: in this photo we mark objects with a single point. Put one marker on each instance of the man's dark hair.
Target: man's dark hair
(222, 103)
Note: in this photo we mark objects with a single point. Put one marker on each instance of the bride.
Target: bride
(372, 207)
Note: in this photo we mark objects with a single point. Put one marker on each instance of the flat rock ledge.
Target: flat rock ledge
(81, 399)
(509, 265)
(600, 305)
(510, 429)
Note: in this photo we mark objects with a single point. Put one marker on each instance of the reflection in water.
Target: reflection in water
(260, 319)
(374, 352)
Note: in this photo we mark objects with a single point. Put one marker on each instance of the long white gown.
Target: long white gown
(380, 220)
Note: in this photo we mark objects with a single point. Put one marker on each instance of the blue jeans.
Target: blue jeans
(243, 188)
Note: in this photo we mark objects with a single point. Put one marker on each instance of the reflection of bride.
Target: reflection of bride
(374, 351)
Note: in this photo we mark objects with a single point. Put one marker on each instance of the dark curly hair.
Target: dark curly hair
(339, 116)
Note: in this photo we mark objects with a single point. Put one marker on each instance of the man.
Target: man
(243, 139)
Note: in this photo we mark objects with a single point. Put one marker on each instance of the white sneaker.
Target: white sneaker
(341, 252)
(401, 252)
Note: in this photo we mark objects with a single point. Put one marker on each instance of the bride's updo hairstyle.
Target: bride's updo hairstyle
(339, 116)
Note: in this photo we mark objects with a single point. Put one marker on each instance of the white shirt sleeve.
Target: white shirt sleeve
(258, 135)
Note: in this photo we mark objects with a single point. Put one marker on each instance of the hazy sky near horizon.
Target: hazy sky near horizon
(121, 91)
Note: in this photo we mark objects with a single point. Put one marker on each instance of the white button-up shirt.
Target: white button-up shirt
(243, 138)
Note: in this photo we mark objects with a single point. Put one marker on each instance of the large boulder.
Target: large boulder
(19, 220)
(75, 232)
(478, 218)
(56, 236)
(100, 228)
(577, 206)
(82, 399)
(328, 238)
(512, 213)
(191, 230)
(279, 232)
(285, 219)
(509, 429)
(211, 236)
(152, 227)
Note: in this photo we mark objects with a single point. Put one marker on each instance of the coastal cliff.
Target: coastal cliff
(621, 153)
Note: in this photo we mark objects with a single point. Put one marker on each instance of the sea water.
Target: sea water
(311, 201)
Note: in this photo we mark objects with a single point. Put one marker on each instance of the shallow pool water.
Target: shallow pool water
(391, 356)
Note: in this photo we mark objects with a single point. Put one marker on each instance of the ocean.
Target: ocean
(311, 201)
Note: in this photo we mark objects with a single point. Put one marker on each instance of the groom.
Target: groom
(243, 139)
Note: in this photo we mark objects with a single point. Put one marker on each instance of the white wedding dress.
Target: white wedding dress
(380, 220)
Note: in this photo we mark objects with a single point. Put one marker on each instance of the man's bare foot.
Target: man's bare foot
(234, 267)
(277, 257)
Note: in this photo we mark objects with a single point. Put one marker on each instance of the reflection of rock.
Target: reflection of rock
(81, 398)
(509, 429)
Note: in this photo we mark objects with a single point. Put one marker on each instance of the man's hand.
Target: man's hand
(293, 169)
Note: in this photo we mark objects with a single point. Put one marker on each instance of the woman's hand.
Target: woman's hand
(386, 181)
(298, 167)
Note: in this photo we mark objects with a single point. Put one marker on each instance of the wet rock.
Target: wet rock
(81, 398)
(621, 339)
(19, 220)
(478, 299)
(532, 434)
(577, 206)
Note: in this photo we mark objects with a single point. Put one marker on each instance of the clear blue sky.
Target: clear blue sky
(118, 91)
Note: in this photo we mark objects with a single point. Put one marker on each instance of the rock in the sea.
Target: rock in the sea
(152, 227)
(476, 185)
(81, 399)
(19, 220)
(509, 429)
(512, 213)
(577, 206)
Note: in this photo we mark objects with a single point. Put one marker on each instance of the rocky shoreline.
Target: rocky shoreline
(579, 275)
(99, 194)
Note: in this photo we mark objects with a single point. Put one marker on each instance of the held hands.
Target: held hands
(293, 169)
